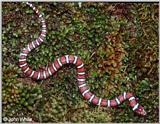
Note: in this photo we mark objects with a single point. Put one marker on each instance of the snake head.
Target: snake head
(140, 110)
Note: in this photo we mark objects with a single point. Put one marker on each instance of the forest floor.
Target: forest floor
(118, 42)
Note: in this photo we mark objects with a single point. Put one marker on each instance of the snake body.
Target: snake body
(76, 60)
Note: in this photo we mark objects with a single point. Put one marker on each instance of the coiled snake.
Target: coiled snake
(76, 60)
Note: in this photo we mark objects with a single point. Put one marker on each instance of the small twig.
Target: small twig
(92, 55)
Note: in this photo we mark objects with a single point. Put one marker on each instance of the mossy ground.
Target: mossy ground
(118, 43)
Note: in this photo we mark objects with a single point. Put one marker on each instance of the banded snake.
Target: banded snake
(76, 60)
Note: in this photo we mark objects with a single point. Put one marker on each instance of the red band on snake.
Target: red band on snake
(76, 60)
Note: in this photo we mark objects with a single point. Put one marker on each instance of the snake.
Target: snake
(58, 63)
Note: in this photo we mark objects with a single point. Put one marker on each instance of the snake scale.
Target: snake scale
(76, 60)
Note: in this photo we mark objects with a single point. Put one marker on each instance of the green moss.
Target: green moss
(118, 43)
